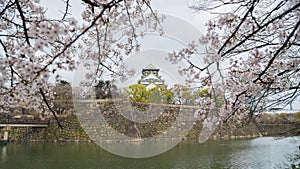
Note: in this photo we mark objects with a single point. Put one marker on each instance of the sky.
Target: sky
(176, 37)
(154, 48)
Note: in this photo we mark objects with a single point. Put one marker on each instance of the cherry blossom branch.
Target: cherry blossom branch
(278, 51)
(152, 12)
(255, 47)
(93, 4)
(50, 108)
(23, 21)
(197, 67)
(10, 21)
(99, 52)
(6, 7)
(273, 10)
(131, 25)
(296, 89)
(237, 28)
(67, 46)
(260, 28)
(259, 45)
(211, 7)
(11, 68)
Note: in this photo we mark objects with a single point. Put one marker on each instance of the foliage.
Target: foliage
(139, 93)
(104, 89)
(190, 96)
(160, 94)
(203, 93)
(63, 82)
(253, 48)
(178, 94)
(63, 100)
(35, 46)
(183, 95)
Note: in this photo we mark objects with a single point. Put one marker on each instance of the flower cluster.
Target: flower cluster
(252, 57)
(35, 47)
(115, 36)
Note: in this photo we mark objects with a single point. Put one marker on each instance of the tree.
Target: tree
(253, 48)
(138, 93)
(190, 96)
(104, 89)
(203, 93)
(35, 46)
(158, 94)
(183, 95)
(63, 100)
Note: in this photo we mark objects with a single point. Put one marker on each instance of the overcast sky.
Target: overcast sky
(161, 46)
(177, 8)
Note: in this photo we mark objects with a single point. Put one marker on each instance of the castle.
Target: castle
(150, 77)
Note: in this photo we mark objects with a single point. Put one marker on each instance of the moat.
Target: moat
(263, 152)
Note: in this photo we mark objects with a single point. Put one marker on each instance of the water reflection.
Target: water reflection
(265, 152)
(257, 153)
(3, 152)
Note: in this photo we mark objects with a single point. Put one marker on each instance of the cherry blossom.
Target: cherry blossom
(35, 47)
(251, 57)
(254, 46)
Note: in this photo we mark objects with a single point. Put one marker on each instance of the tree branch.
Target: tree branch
(278, 51)
(93, 4)
(260, 28)
(10, 66)
(23, 21)
(237, 28)
(105, 7)
(7, 6)
(50, 108)
(66, 10)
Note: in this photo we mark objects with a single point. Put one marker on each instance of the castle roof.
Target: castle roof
(151, 76)
(150, 67)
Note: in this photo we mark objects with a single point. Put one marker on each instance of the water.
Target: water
(264, 153)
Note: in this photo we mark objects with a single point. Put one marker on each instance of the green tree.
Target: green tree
(183, 95)
(203, 92)
(159, 94)
(138, 93)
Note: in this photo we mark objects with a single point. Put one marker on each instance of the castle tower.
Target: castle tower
(150, 77)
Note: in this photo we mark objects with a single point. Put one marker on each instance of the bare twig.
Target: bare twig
(66, 10)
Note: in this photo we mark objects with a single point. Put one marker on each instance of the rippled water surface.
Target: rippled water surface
(264, 153)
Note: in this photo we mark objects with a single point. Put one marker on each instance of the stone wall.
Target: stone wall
(72, 131)
(172, 117)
